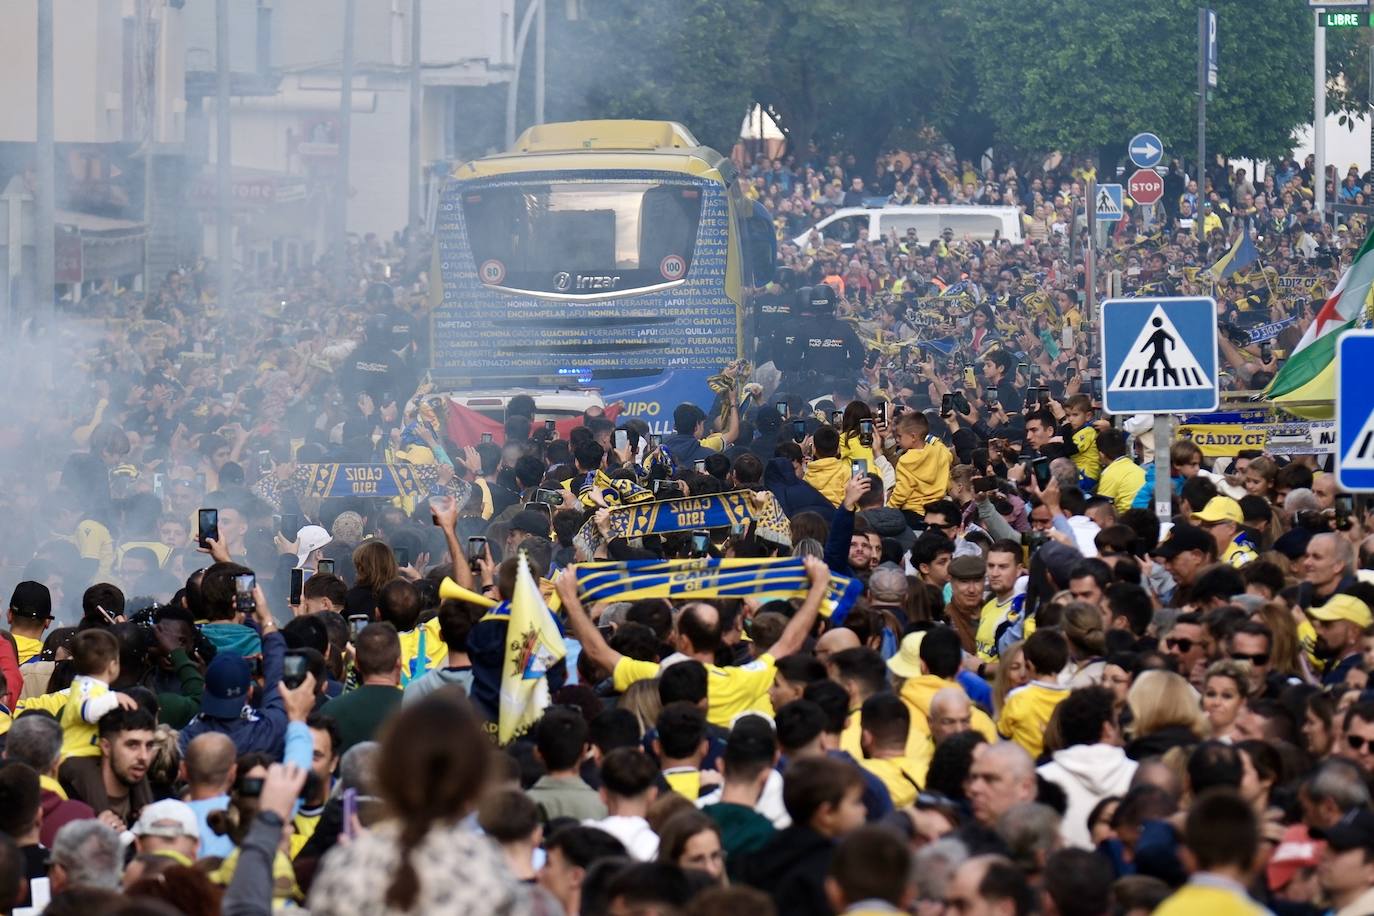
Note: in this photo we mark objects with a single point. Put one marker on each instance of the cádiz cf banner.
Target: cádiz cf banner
(714, 510)
(340, 480)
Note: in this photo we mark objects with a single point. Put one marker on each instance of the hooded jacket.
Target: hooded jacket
(1087, 773)
(1157, 744)
(794, 494)
(262, 729)
(829, 476)
(922, 476)
(58, 810)
(686, 449)
(917, 693)
(791, 869)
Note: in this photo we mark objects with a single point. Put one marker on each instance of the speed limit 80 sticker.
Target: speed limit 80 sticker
(673, 267)
(492, 272)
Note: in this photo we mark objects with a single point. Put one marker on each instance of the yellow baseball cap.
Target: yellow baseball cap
(1220, 509)
(907, 662)
(1342, 607)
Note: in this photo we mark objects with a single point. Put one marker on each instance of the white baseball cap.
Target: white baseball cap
(167, 818)
(308, 539)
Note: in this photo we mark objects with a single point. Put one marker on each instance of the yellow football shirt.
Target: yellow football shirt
(730, 692)
(422, 650)
(1026, 713)
(1085, 456)
(990, 620)
(77, 710)
(303, 828)
(903, 776)
(685, 781)
(1202, 896)
(28, 647)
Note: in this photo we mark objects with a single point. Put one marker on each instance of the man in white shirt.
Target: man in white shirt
(628, 787)
(1091, 766)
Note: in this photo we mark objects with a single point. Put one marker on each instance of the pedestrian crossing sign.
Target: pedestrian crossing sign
(1159, 355)
(1355, 411)
(1108, 204)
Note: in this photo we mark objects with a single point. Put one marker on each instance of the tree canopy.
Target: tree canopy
(1081, 76)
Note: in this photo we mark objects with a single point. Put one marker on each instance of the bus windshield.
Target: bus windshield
(582, 238)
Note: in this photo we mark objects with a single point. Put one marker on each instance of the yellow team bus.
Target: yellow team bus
(617, 258)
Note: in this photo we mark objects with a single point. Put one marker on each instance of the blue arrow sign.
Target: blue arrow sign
(1146, 150)
(1355, 411)
(1159, 355)
(1108, 205)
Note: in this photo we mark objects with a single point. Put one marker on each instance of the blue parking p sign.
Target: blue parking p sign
(1355, 412)
(1159, 355)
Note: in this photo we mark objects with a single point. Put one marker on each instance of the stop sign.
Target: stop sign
(1146, 187)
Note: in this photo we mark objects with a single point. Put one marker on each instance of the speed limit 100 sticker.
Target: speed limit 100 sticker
(673, 267)
(492, 272)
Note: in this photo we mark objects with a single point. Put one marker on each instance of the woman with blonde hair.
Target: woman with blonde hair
(1225, 687)
(1165, 714)
(1284, 640)
(642, 699)
(1011, 673)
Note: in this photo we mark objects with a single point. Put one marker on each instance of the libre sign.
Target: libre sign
(1334, 20)
(1146, 187)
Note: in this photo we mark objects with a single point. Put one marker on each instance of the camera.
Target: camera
(1234, 334)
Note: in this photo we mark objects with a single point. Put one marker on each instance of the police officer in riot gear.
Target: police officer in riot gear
(830, 350)
(376, 366)
(787, 346)
(775, 304)
(400, 325)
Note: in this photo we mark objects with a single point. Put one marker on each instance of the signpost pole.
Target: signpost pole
(417, 89)
(1164, 501)
(45, 201)
(1319, 114)
(224, 225)
(345, 136)
(1202, 49)
(1090, 267)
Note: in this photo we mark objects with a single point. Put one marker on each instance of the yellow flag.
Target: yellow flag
(533, 645)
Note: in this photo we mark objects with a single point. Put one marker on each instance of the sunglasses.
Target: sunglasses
(1357, 743)
(1259, 659)
(1182, 644)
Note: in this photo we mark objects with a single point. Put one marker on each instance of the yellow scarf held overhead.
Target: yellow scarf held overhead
(761, 579)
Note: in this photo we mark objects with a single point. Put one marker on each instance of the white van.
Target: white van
(980, 223)
(548, 405)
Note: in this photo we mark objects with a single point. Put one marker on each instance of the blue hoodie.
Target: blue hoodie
(686, 449)
(261, 729)
(794, 494)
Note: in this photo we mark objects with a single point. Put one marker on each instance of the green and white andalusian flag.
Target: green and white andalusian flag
(1309, 375)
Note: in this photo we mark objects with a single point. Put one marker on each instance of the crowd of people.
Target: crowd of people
(993, 682)
(956, 297)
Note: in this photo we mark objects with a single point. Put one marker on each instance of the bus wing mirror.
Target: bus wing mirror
(762, 248)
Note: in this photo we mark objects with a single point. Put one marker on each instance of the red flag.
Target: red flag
(466, 426)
